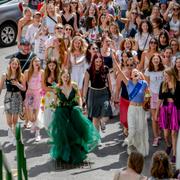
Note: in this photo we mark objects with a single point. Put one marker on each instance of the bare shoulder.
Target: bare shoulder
(42, 71)
(74, 85)
(3, 77)
(144, 178)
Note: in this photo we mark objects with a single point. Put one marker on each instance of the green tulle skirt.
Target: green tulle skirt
(72, 135)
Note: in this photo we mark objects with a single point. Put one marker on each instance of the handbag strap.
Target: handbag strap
(28, 59)
(52, 19)
(145, 42)
(135, 91)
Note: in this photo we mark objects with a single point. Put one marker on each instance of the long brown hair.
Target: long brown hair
(62, 50)
(161, 167)
(47, 71)
(151, 65)
(136, 161)
(169, 72)
(31, 68)
(92, 69)
(18, 70)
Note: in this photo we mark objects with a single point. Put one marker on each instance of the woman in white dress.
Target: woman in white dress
(50, 78)
(77, 60)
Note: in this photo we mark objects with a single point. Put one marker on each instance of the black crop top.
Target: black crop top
(124, 92)
(10, 87)
(98, 80)
(175, 96)
(48, 84)
(108, 61)
(70, 22)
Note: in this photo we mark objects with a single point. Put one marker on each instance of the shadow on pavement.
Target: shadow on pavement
(8, 147)
(37, 150)
(39, 169)
(3, 133)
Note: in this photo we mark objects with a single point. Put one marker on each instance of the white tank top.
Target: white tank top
(175, 26)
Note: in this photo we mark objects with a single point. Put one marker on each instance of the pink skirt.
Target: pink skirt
(154, 100)
(124, 104)
(169, 117)
(33, 99)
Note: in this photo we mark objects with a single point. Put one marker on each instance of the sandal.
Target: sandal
(155, 142)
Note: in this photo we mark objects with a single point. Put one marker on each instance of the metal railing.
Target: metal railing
(4, 165)
(21, 159)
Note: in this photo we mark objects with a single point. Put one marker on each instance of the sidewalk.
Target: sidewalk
(105, 160)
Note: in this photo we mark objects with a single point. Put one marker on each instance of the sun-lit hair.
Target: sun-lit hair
(171, 74)
(62, 50)
(30, 70)
(122, 44)
(175, 68)
(115, 25)
(161, 167)
(47, 71)
(18, 70)
(61, 74)
(83, 46)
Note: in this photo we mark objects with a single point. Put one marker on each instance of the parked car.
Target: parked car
(10, 12)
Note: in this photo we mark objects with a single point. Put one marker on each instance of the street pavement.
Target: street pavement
(105, 160)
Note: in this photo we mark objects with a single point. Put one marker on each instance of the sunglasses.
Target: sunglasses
(129, 65)
(59, 27)
(153, 42)
(174, 44)
(68, 29)
(134, 13)
(175, 9)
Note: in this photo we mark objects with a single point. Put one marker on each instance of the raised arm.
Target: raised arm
(118, 87)
(120, 73)
(141, 65)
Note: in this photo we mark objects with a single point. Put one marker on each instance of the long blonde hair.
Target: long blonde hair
(83, 47)
(171, 74)
(18, 71)
(31, 68)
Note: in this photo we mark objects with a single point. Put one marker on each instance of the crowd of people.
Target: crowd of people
(82, 62)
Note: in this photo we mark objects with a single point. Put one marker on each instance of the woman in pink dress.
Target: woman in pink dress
(33, 78)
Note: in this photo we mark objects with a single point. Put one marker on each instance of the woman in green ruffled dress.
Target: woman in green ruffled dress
(72, 135)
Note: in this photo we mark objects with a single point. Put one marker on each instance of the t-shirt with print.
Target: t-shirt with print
(155, 80)
(139, 98)
(40, 47)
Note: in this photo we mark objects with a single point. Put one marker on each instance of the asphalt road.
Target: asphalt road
(105, 160)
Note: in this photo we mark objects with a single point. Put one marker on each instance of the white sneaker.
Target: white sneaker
(37, 136)
(125, 143)
(33, 128)
(10, 133)
(13, 141)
